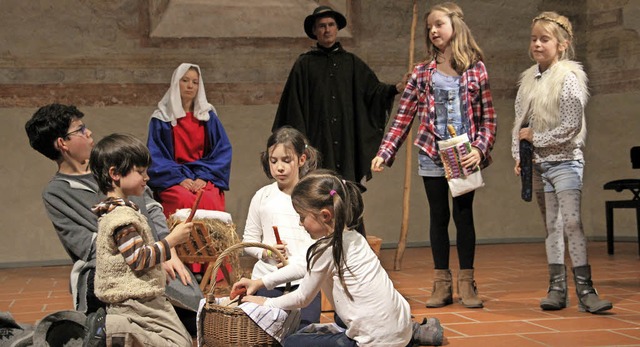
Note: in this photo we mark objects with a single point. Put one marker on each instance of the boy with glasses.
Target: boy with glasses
(59, 133)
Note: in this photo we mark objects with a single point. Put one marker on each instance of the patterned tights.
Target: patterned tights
(561, 213)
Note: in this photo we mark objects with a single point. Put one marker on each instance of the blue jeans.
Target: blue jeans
(325, 340)
(448, 112)
(319, 340)
(427, 167)
(558, 176)
(447, 107)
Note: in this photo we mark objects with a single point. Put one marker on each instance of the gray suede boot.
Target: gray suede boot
(429, 333)
(557, 297)
(588, 299)
(467, 291)
(442, 294)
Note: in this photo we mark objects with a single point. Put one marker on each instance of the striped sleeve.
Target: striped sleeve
(138, 255)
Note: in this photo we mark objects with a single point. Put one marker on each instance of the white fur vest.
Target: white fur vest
(539, 98)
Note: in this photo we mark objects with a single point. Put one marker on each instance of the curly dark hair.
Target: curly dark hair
(48, 124)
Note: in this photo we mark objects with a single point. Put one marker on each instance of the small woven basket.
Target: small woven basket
(224, 326)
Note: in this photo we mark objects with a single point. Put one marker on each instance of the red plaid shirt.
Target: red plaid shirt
(418, 98)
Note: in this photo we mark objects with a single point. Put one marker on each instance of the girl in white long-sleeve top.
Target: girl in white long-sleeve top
(343, 265)
(286, 159)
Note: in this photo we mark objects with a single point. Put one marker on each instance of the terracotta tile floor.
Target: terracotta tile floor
(511, 280)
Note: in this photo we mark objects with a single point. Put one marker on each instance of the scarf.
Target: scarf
(170, 107)
(110, 204)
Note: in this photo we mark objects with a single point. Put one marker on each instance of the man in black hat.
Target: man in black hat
(336, 100)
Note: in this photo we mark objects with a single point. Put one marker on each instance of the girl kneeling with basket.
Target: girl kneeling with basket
(342, 264)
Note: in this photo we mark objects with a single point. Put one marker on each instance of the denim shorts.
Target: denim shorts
(426, 166)
(558, 176)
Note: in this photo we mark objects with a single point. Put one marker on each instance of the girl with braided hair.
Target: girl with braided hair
(551, 100)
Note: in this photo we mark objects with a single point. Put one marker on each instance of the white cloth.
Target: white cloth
(271, 207)
(183, 214)
(199, 337)
(274, 321)
(378, 314)
(170, 107)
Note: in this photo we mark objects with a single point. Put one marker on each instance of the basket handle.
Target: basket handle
(233, 248)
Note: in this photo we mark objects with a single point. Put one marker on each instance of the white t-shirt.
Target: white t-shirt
(271, 207)
(378, 314)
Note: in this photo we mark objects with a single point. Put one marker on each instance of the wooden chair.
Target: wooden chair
(631, 184)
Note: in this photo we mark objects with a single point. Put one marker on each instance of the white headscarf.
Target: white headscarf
(170, 107)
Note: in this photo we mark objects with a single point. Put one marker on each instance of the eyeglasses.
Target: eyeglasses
(82, 130)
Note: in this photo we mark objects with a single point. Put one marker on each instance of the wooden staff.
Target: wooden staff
(195, 206)
(406, 192)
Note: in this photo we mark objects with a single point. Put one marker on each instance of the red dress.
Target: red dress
(189, 145)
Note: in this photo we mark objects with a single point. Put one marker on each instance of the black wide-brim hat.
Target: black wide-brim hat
(323, 11)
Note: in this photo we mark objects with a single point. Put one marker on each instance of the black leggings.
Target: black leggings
(437, 190)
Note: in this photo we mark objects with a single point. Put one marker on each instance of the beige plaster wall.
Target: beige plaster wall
(500, 215)
(98, 55)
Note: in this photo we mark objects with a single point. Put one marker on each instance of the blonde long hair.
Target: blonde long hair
(560, 27)
(465, 51)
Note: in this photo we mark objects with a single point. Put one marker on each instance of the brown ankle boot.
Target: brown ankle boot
(442, 294)
(467, 291)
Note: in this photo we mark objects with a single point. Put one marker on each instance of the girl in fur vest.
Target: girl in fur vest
(549, 110)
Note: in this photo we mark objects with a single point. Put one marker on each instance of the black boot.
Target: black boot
(588, 299)
(96, 329)
(557, 297)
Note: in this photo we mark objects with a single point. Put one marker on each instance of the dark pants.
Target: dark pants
(188, 319)
(93, 303)
(325, 340)
(319, 340)
(308, 315)
(437, 190)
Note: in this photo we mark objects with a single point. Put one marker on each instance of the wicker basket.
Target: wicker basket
(223, 326)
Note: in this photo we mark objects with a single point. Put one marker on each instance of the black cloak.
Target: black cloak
(337, 101)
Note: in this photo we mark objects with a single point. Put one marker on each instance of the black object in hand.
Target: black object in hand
(526, 169)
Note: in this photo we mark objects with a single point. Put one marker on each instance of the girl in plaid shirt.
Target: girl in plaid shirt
(450, 88)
